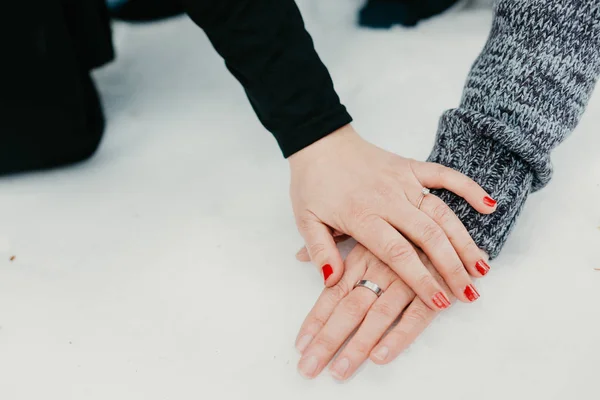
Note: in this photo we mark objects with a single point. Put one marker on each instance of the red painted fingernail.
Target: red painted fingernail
(471, 293)
(441, 301)
(488, 201)
(482, 267)
(327, 271)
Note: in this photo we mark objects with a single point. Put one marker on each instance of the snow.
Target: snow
(164, 267)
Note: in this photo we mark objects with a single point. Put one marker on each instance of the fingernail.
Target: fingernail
(441, 301)
(482, 267)
(381, 353)
(308, 366)
(327, 271)
(488, 201)
(339, 368)
(471, 293)
(303, 342)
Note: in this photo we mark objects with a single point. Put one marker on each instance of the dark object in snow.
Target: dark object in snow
(50, 109)
(384, 14)
(146, 10)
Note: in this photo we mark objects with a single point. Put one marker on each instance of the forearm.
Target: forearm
(524, 95)
(266, 47)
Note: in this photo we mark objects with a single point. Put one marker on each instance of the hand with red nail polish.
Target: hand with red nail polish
(343, 186)
(345, 309)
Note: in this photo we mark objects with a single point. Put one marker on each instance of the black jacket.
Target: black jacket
(266, 47)
(49, 107)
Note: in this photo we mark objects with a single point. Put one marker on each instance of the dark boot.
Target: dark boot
(146, 10)
(387, 13)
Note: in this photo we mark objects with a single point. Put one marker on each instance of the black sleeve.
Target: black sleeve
(268, 50)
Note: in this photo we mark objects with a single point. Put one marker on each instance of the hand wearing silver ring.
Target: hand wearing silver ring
(367, 301)
(373, 287)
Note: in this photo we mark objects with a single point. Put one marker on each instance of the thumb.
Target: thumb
(323, 252)
(302, 254)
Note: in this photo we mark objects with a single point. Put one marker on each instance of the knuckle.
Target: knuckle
(398, 338)
(375, 265)
(442, 213)
(316, 323)
(326, 342)
(471, 185)
(361, 213)
(431, 234)
(384, 309)
(317, 251)
(365, 258)
(383, 191)
(402, 291)
(426, 281)
(458, 270)
(337, 292)
(441, 172)
(398, 251)
(303, 223)
(358, 210)
(361, 347)
(417, 315)
(354, 308)
(469, 247)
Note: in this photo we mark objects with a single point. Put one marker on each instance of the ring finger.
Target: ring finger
(343, 321)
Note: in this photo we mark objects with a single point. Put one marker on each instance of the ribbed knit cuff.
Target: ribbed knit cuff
(464, 143)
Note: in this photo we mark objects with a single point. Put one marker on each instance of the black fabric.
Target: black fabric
(147, 10)
(50, 113)
(266, 47)
(384, 14)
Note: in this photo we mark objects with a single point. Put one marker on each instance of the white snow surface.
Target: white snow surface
(163, 268)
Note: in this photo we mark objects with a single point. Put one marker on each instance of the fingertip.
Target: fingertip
(482, 267)
(331, 274)
(488, 201)
(380, 355)
(441, 301)
(481, 207)
(376, 360)
(333, 268)
(302, 255)
(327, 271)
(471, 293)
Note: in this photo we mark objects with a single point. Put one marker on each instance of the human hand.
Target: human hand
(342, 183)
(341, 309)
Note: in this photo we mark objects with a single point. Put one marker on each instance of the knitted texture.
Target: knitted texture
(524, 95)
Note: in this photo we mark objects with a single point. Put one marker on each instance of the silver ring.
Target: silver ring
(424, 192)
(373, 287)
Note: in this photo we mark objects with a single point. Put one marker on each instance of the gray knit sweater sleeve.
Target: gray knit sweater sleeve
(525, 93)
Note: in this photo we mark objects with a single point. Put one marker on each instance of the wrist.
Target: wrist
(326, 147)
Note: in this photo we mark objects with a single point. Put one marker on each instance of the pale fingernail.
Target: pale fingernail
(381, 353)
(339, 368)
(303, 342)
(301, 252)
(308, 366)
